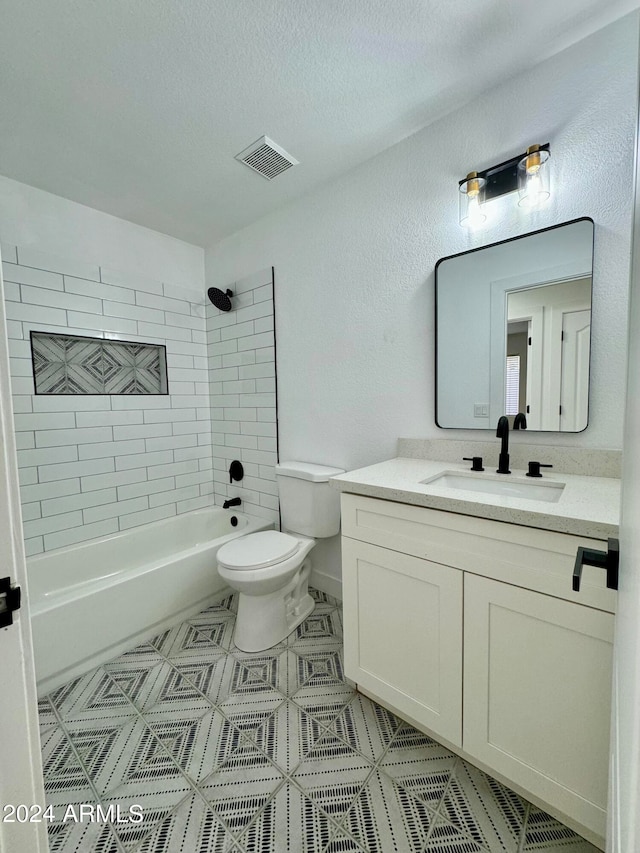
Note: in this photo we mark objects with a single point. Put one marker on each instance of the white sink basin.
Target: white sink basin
(505, 486)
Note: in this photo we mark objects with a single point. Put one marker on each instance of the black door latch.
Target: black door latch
(10, 597)
(608, 560)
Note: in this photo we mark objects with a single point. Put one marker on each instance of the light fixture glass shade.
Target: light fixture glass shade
(533, 177)
(471, 199)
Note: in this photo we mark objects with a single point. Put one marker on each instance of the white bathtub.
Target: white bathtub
(90, 602)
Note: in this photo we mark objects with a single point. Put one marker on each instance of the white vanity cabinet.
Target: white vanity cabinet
(470, 628)
(404, 618)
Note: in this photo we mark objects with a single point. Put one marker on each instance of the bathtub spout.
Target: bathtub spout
(232, 502)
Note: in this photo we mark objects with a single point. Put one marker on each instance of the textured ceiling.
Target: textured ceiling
(138, 108)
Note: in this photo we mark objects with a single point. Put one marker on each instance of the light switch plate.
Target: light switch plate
(480, 410)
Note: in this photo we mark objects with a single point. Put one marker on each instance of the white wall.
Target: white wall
(32, 218)
(91, 465)
(354, 262)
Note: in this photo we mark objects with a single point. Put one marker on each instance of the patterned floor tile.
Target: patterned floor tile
(332, 774)
(191, 827)
(321, 597)
(386, 817)
(212, 635)
(82, 837)
(284, 753)
(94, 696)
(199, 746)
(227, 604)
(419, 764)
(366, 726)
(65, 779)
(164, 687)
(343, 843)
(317, 629)
(46, 714)
(288, 822)
(323, 697)
(115, 755)
(492, 815)
(155, 803)
(288, 735)
(240, 687)
(544, 832)
(447, 838)
(324, 660)
(278, 667)
(241, 787)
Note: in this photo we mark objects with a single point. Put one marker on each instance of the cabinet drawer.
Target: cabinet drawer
(523, 556)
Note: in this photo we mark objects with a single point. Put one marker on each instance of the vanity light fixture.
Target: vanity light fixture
(533, 177)
(471, 199)
(528, 173)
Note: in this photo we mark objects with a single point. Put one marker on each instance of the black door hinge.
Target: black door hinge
(10, 597)
(529, 341)
(528, 410)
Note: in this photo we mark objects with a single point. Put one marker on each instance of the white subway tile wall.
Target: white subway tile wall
(93, 465)
(242, 385)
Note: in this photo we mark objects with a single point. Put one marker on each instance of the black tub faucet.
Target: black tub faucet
(503, 432)
(232, 502)
(520, 422)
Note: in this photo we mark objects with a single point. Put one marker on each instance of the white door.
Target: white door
(624, 795)
(574, 393)
(20, 764)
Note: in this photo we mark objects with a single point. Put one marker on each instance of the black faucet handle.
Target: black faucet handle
(476, 462)
(534, 469)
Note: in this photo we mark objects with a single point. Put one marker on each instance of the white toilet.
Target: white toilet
(271, 570)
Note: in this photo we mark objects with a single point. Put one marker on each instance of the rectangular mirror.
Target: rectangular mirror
(513, 331)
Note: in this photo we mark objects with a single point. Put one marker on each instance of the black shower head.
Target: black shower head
(220, 298)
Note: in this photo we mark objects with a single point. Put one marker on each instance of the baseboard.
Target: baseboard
(326, 583)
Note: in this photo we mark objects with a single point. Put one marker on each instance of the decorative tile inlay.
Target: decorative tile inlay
(65, 364)
(268, 752)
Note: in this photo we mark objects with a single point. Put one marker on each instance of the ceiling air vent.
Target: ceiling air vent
(267, 158)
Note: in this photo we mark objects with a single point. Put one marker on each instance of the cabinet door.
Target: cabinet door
(537, 695)
(403, 633)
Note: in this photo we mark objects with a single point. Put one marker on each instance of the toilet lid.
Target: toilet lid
(257, 550)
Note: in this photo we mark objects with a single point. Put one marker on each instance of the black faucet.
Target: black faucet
(231, 502)
(520, 422)
(503, 432)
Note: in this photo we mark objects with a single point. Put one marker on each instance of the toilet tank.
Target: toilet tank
(308, 504)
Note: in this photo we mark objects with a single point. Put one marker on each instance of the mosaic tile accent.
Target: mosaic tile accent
(64, 364)
(230, 752)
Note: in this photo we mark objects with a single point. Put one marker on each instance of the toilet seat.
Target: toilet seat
(257, 550)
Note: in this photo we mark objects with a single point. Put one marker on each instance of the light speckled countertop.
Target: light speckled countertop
(588, 506)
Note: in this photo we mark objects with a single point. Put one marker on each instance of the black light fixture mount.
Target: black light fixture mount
(525, 173)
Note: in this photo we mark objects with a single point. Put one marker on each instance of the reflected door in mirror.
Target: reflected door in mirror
(513, 329)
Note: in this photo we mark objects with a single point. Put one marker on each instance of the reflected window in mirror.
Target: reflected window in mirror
(513, 331)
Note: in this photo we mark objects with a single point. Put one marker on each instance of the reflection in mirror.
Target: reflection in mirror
(513, 330)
